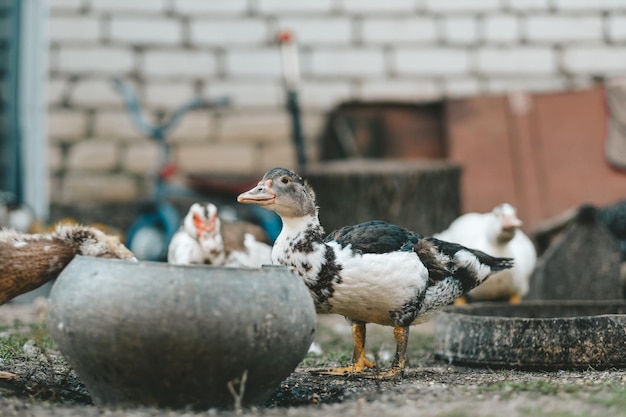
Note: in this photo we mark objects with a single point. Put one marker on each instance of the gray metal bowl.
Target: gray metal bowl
(155, 334)
(553, 334)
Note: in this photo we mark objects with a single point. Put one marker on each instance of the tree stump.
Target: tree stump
(422, 196)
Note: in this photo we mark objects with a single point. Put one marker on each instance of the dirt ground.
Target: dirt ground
(46, 386)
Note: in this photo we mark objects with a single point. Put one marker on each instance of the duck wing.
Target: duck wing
(374, 236)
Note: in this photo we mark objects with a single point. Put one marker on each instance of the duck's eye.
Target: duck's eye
(285, 180)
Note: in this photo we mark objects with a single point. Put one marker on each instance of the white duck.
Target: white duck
(205, 239)
(30, 260)
(498, 234)
(373, 272)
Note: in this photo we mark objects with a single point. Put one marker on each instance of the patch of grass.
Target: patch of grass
(615, 399)
(12, 344)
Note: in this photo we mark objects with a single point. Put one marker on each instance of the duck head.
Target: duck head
(284, 192)
(506, 222)
(201, 221)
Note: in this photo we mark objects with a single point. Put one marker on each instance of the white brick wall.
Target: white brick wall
(349, 50)
(273, 7)
(228, 32)
(557, 28)
(398, 30)
(501, 28)
(74, 28)
(133, 6)
(431, 61)
(351, 62)
(178, 63)
(319, 30)
(378, 7)
(617, 27)
(140, 30)
(210, 7)
(94, 59)
(460, 29)
(522, 60)
(595, 60)
(255, 63)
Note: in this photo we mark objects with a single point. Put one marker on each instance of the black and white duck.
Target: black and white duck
(204, 238)
(30, 260)
(373, 272)
(498, 233)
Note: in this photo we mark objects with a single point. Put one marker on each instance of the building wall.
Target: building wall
(413, 50)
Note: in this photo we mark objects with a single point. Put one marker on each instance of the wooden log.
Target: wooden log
(422, 196)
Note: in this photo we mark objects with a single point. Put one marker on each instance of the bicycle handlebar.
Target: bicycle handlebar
(159, 131)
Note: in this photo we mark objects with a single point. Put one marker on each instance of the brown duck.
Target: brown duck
(30, 260)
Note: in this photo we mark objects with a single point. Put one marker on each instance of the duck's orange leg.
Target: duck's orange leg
(359, 361)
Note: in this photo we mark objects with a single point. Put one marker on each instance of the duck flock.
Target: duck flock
(373, 272)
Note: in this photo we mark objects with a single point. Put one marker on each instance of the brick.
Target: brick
(92, 155)
(462, 5)
(168, 94)
(558, 28)
(429, 61)
(617, 27)
(300, 6)
(394, 89)
(501, 28)
(461, 87)
(317, 31)
(228, 32)
(579, 5)
(599, 60)
(522, 60)
(55, 159)
(140, 158)
(254, 126)
(279, 154)
(376, 6)
(540, 84)
(179, 63)
(94, 92)
(66, 5)
(230, 158)
(248, 93)
(398, 30)
(525, 5)
(348, 62)
(324, 94)
(260, 62)
(139, 6)
(195, 7)
(194, 126)
(140, 30)
(96, 59)
(115, 124)
(460, 29)
(55, 90)
(74, 28)
(67, 124)
(94, 187)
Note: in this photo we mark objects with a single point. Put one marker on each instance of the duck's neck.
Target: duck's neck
(298, 235)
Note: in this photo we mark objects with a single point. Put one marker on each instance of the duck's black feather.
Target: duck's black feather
(375, 236)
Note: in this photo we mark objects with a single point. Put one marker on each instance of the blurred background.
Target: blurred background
(512, 91)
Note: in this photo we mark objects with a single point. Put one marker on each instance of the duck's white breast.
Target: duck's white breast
(373, 285)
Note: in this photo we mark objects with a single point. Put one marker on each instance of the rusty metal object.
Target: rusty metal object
(534, 335)
(153, 334)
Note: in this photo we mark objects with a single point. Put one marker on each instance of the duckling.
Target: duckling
(373, 272)
(497, 233)
(30, 260)
(205, 239)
